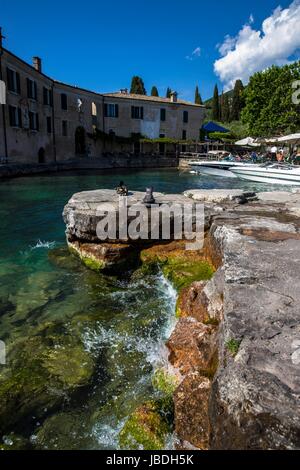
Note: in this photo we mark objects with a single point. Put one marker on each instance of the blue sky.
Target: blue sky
(100, 45)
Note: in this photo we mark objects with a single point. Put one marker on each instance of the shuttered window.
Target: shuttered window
(163, 114)
(111, 110)
(49, 124)
(31, 89)
(13, 81)
(137, 112)
(64, 128)
(64, 101)
(15, 116)
(33, 121)
(47, 97)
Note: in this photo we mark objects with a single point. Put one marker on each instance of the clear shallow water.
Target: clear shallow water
(121, 324)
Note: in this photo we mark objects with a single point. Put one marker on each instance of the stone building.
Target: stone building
(45, 120)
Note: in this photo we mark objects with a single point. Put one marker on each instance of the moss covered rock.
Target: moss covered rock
(180, 266)
(105, 256)
(145, 429)
(164, 381)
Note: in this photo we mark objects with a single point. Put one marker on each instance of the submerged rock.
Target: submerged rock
(45, 370)
(14, 441)
(62, 431)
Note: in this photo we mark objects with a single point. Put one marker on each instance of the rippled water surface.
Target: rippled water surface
(52, 307)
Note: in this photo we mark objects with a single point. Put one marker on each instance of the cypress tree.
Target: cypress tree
(216, 105)
(154, 91)
(225, 108)
(237, 101)
(137, 86)
(198, 99)
(169, 91)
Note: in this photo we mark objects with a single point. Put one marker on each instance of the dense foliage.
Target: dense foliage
(269, 108)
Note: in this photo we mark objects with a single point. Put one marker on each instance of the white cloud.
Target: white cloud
(196, 53)
(251, 51)
(251, 19)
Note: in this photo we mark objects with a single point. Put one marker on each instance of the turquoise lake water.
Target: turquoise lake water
(50, 302)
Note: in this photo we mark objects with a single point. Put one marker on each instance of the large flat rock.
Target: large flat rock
(85, 209)
(255, 401)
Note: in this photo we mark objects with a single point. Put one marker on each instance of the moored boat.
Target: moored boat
(218, 168)
(277, 173)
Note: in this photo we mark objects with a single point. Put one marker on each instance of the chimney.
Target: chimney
(37, 63)
(173, 97)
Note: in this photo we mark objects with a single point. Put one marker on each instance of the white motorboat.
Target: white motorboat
(218, 168)
(274, 173)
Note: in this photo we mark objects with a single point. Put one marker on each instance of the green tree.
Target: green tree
(198, 99)
(269, 108)
(137, 86)
(154, 91)
(237, 101)
(225, 108)
(168, 93)
(216, 105)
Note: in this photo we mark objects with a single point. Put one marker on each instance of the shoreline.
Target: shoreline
(14, 170)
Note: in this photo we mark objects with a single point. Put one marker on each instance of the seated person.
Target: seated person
(122, 189)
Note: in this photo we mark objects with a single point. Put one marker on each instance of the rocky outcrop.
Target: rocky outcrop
(237, 341)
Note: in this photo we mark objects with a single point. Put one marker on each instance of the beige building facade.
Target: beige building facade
(44, 120)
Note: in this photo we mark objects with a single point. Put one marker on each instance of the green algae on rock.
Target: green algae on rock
(165, 381)
(110, 257)
(145, 429)
(178, 265)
